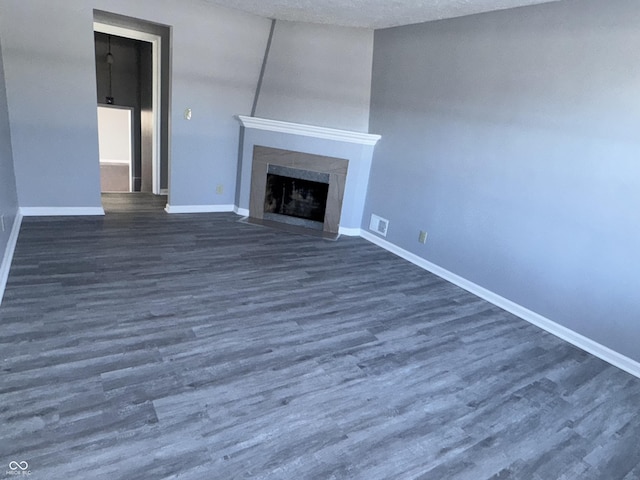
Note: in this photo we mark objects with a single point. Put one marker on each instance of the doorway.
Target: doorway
(125, 85)
(132, 78)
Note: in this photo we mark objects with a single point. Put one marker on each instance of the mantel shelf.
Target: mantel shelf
(308, 130)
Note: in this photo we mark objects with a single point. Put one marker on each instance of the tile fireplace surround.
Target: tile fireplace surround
(345, 155)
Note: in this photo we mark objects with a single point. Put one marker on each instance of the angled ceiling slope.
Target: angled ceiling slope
(369, 13)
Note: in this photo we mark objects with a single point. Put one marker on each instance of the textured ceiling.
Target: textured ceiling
(370, 13)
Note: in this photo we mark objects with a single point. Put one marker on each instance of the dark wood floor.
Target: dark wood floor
(137, 202)
(143, 345)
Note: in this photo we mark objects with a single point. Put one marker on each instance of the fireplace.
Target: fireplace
(297, 197)
(263, 144)
(297, 189)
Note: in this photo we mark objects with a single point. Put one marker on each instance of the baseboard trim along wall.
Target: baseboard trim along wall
(60, 211)
(584, 343)
(350, 232)
(198, 208)
(243, 212)
(5, 266)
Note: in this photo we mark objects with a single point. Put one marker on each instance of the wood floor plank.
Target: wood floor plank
(147, 345)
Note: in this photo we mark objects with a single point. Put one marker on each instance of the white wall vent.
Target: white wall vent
(379, 225)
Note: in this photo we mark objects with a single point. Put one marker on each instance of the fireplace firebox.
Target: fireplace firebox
(299, 189)
(297, 197)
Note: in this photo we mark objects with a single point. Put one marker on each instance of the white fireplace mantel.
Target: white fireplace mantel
(308, 130)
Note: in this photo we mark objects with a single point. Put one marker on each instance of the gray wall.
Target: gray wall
(318, 75)
(216, 58)
(8, 195)
(512, 138)
(51, 89)
(50, 81)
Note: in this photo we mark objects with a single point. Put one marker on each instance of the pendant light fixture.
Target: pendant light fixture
(110, 61)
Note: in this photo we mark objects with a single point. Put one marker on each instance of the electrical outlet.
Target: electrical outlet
(187, 114)
(219, 189)
(422, 238)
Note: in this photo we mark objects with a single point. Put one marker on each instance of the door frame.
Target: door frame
(156, 100)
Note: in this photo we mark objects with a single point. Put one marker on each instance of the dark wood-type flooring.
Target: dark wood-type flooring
(138, 202)
(143, 345)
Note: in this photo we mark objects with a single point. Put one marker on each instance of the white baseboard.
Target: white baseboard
(584, 343)
(164, 191)
(243, 212)
(5, 266)
(60, 211)
(350, 232)
(198, 208)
